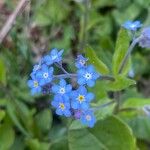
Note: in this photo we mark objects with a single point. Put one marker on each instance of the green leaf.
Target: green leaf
(141, 127)
(122, 45)
(15, 119)
(120, 83)
(44, 120)
(35, 144)
(93, 59)
(2, 71)
(110, 133)
(136, 102)
(2, 114)
(51, 12)
(7, 136)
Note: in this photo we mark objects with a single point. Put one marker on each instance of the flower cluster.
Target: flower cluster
(68, 101)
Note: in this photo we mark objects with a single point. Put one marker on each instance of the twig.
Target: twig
(10, 21)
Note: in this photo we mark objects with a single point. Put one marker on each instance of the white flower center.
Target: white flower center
(45, 75)
(82, 62)
(54, 57)
(133, 25)
(88, 76)
(88, 117)
(62, 90)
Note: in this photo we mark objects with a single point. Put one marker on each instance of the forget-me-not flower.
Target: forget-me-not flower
(45, 75)
(53, 57)
(63, 88)
(88, 118)
(80, 61)
(62, 105)
(34, 85)
(87, 75)
(80, 98)
(132, 25)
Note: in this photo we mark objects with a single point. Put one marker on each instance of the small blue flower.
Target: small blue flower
(133, 26)
(81, 99)
(80, 61)
(34, 85)
(145, 38)
(87, 75)
(45, 75)
(62, 105)
(88, 118)
(62, 88)
(54, 57)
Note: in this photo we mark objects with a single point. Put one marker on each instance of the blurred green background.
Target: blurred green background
(29, 123)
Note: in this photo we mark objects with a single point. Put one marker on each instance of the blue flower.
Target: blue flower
(34, 85)
(45, 75)
(81, 99)
(62, 88)
(54, 57)
(133, 26)
(88, 118)
(145, 38)
(62, 105)
(87, 75)
(80, 61)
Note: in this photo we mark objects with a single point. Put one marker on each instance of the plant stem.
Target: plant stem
(59, 65)
(117, 99)
(69, 75)
(73, 75)
(83, 37)
(130, 49)
(103, 105)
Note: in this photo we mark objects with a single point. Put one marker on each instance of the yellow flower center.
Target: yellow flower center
(88, 117)
(81, 98)
(36, 84)
(61, 106)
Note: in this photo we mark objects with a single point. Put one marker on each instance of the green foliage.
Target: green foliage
(56, 11)
(93, 59)
(2, 71)
(136, 102)
(141, 127)
(7, 136)
(122, 45)
(43, 120)
(103, 136)
(120, 83)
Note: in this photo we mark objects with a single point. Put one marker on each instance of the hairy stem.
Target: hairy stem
(73, 75)
(130, 49)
